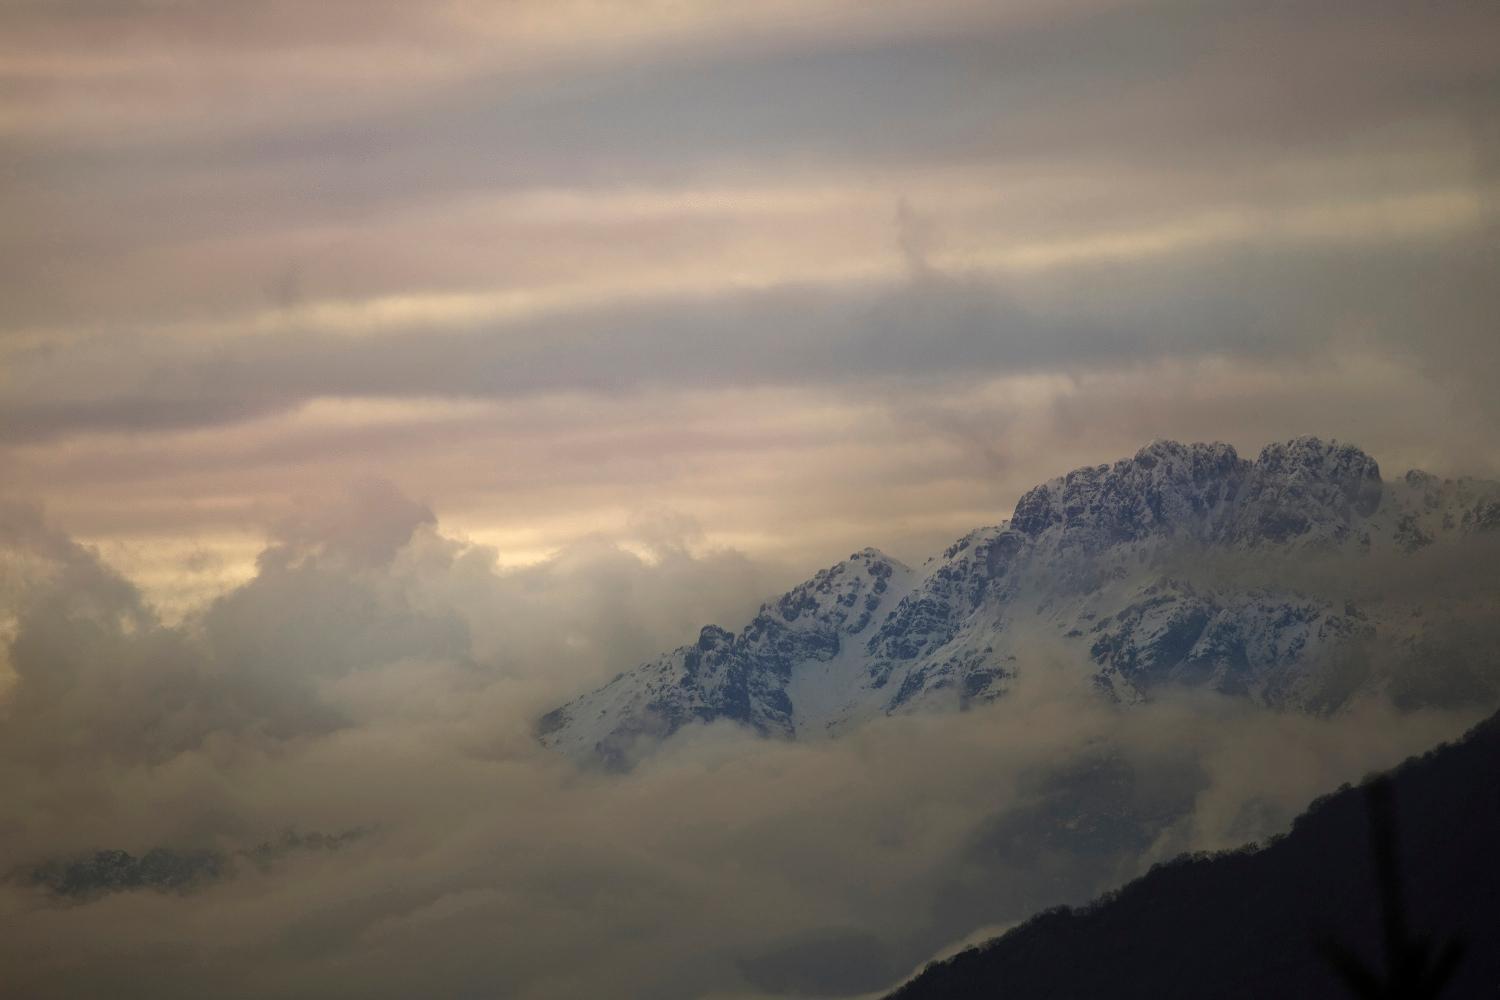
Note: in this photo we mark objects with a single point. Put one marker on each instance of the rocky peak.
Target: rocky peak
(842, 597)
(1325, 469)
(1206, 492)
(1305, 484)
(1167, 488)
(712, 637)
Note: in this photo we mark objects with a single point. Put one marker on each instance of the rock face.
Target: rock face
(809, 635)
(1181, 566)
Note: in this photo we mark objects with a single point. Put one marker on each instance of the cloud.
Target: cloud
(399, 218)
(605, 313)
(951, 326)
(381, 676)
(372, 523)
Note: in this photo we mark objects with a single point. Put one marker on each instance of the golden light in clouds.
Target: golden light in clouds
(810, 275)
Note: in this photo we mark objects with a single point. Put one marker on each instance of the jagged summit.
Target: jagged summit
(1304, 483)
(1206, 491)
(1166, 488)
(1088, 558)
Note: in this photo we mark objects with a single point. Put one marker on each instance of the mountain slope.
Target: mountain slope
(1172, 567)
(798, 645)
(1251, 923)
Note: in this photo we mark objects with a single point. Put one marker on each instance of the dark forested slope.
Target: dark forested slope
(1261, 922)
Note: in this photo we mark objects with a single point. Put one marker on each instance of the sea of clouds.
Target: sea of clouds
(350, 734)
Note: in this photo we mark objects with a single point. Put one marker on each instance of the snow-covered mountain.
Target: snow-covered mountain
(1184, 565)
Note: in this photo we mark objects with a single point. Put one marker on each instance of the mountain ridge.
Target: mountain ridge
(1086, 557)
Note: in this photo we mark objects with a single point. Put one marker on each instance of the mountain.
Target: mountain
(1183, 565)
(90, 877)
(1260, 922)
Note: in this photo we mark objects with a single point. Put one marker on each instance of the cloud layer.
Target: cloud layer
(549, 266)
(376, 676)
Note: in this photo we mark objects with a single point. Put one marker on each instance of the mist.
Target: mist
(377, 684)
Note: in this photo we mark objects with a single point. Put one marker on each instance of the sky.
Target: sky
(375, 376)
(795, 278)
